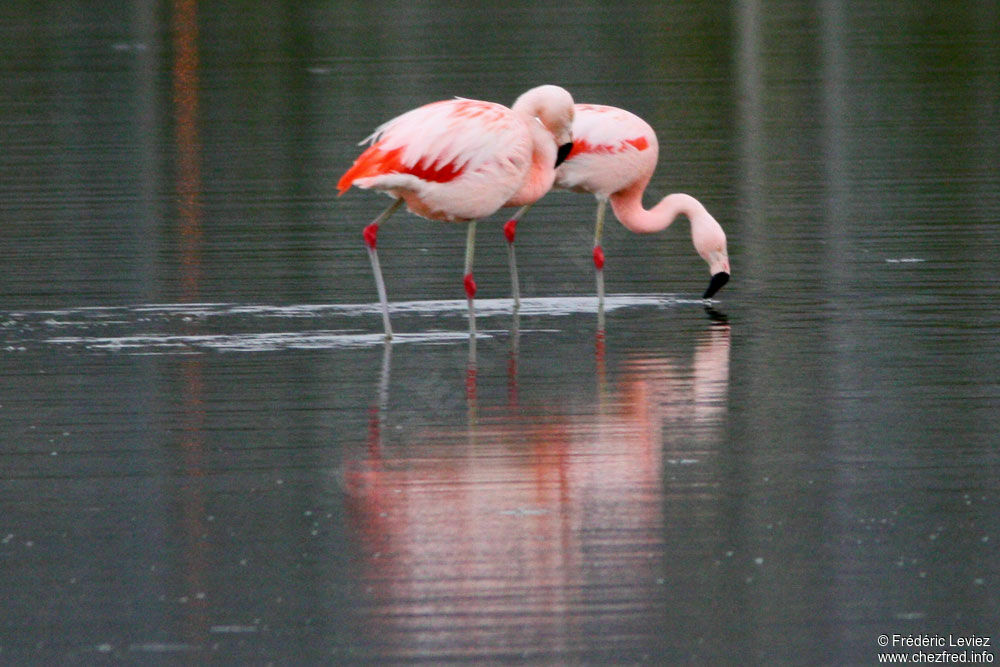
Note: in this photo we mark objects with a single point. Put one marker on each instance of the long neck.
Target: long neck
(541, 172)
(707, 235)
(627, 206)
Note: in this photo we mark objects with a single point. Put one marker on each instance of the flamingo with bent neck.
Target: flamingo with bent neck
(613, 157)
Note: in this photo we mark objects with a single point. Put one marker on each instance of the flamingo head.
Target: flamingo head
(553, 107)
(710, 242)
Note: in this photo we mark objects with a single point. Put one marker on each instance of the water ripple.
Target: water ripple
(182, 328)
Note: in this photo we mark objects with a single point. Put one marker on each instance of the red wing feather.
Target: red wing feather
(584, 146)
(376, 162)
(436, 142)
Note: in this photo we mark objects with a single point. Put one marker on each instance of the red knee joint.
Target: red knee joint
(371, 235)
(470, 285)
(510, 230)
(598, 257)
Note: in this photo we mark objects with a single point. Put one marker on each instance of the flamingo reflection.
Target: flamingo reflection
(535, 524)
(190, 497)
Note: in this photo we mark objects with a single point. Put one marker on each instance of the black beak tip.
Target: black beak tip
(718, 281)
(563, 152)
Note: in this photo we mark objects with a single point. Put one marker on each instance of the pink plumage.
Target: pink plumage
(613, 157)
(455, 160)
(613, 150)
(460, 160)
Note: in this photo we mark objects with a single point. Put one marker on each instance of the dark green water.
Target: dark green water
(208, 453)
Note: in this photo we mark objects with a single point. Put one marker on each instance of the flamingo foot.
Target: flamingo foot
(510, 230)
(470, 285)
(371, 235)
(598, 257)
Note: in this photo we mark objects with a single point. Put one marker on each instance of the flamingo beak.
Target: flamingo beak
(718, 280)
(563, 152)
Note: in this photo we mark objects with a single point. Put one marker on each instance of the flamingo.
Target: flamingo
(613, 157)
(460, 160)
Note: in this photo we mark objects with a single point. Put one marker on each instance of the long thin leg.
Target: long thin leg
(471, 367)
(509, 232)
(371, 238)
(470, 284)
(602, 205)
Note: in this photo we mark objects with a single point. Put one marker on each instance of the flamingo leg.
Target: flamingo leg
(371, 236)
(509, 232)
(602, 205)
(470, 284)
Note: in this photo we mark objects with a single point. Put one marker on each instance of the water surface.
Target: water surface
(209, 451)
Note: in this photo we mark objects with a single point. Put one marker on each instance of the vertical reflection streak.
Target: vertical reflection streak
(188, 143)
(195, 557)
(750, 78)
(192, 500)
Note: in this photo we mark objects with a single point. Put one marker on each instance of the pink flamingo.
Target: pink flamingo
(613, 157)
(460, 160)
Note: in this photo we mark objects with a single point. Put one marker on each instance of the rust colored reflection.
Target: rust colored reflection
(533, 531)
(188, 143)
(192, 523)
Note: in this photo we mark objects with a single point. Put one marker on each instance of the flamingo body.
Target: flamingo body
(455, 160)
(613, 149)
(460, 160)
(614, 156)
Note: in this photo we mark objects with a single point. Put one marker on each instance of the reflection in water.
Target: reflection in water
(194, 557)
(513, 356)
(191, 503)
(185, 80)
(164, 152)
(533, 531)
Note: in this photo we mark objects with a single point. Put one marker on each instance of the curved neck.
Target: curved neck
(627, 206)
(541, 172)
(707, 235)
